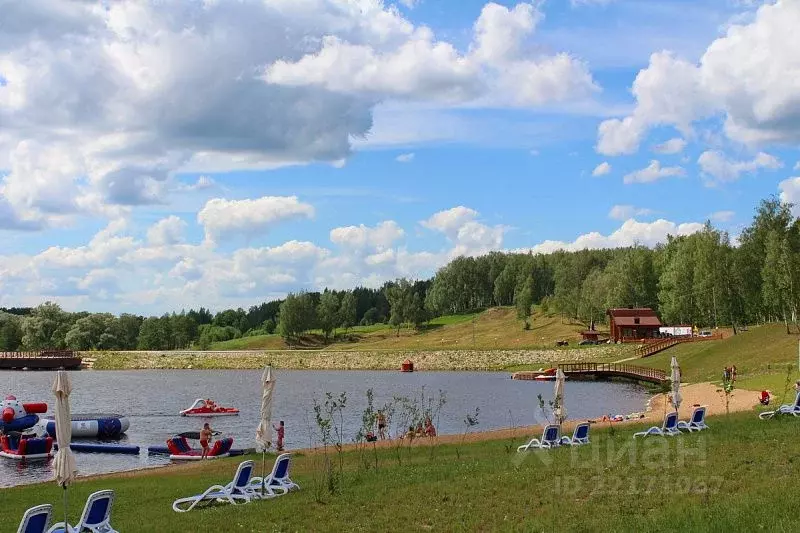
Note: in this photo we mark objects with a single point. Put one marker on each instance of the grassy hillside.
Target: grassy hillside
(496, 328)
(738, 476)
(761, 356)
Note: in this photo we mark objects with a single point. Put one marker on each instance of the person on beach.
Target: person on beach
(381, 419)
(430, 431)
(733, 373)
(205, 439)
(797, 386)
(765, 397)
(410, 434)
(419, 431)
(280, 430)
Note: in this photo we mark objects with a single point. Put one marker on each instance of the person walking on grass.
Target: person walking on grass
(280, 430)
(205, 439)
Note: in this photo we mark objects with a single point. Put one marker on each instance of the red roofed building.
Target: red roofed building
(631, 324)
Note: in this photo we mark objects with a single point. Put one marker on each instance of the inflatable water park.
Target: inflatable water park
(25, 435)
(15, 418)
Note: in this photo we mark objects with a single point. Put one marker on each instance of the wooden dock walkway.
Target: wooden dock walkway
(590, 371)
(654, 346)
(41, 360)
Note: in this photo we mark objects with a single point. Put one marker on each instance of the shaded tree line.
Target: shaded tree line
(703, 279)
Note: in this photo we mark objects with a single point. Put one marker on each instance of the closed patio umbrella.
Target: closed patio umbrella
(264, 429)
(559, 411)
(675, 377)
(64, 468)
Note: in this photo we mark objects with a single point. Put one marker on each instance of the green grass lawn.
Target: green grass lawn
(495, 328)
(761, 356)
(275, 341)
(741, 475)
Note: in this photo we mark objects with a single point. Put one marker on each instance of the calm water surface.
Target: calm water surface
(152, 398)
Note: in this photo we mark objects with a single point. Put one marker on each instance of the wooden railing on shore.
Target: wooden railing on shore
(40, 360)
(600, 370)
(39, 354)
(620, 369)
(653, 346)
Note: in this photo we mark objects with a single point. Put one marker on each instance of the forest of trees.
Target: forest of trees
(701, 279)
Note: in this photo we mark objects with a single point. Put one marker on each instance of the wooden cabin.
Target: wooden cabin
(633, 324)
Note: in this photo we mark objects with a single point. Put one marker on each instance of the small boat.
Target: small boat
(179, 449)
(547, 375)
(407, 366)
(25, 447)
(202, 407)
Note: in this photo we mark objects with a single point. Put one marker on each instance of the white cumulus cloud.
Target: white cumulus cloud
(722, 216)
(624, 212)
(602, 169)
(671, 146)
(629, 234)
(790, 193)
(653, 172)
(719, 168)
(220, 217)
(422, 67)
(744, 75)
(167, 231)
(380, 237)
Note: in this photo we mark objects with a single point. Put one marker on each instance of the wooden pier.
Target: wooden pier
(593, 371)
(41, 360)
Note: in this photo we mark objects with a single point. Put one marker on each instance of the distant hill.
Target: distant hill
(495, 328)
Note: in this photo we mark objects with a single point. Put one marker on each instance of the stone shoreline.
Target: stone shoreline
(347, 360)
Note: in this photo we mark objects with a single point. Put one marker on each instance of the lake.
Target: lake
(152, 399)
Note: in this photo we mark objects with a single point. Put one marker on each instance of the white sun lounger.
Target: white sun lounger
(697, 422)
(277, 480)
(579, 436)
(237, 491)
(668, 429)
(96, 515)
(36, 519)
(551, 437)
(784, 410)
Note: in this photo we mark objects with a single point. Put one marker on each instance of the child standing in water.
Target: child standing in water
(381, 418)
(280, 430)
(205, 438)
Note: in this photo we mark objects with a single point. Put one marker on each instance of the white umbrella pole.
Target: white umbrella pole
(263, 469)
(66, 524)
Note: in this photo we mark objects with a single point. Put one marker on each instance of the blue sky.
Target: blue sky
(184, 154)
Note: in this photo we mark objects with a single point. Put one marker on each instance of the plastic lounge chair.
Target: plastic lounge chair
(784, 410)
(670, 427)
(96, 517)
(235, 492)
(579, 436)
(36, 519)
(278, 479)
(551, 438)
(697, 422)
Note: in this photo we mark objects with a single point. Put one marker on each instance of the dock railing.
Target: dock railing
(649, 374)
(41, 354)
